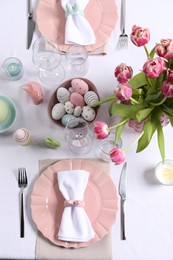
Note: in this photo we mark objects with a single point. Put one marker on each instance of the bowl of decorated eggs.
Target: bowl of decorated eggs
(73, 98)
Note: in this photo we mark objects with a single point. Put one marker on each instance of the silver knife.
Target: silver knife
(122, 192)
(31, 25)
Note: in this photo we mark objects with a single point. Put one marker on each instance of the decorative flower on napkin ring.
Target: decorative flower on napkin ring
(75, 224)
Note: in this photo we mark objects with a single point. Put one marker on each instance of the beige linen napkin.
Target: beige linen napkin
(101, 250)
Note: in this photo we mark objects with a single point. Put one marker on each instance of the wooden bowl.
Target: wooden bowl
(53, 99)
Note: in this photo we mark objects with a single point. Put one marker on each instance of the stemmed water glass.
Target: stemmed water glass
(47, 58)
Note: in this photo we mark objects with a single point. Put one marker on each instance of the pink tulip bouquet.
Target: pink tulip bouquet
(143, 101)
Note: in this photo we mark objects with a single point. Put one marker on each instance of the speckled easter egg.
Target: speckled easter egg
(77, 99)
(62, 95)
(77, 111)
(69, 107)
(88, 113)
(79, 86)
(58, 111)
(66, 118)
(90, 98)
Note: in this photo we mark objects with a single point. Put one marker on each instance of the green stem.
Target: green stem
(146, 51)
(159, 103)
(121, 123)
(110, 98)
(134, 101)
(133, 143)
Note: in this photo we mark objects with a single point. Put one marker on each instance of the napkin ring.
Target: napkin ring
(74, 203)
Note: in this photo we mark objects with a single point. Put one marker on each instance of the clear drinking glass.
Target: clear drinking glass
(77, 60)
(106, 146)
(78, 136)
(47, 58)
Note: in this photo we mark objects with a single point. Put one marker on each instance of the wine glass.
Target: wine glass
(78, 136)
(47, 58)
(77, 60)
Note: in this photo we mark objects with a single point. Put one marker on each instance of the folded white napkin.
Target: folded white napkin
(75, 225)
(77, 28)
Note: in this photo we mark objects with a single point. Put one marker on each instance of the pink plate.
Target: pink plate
(47, 202)
(101, 14)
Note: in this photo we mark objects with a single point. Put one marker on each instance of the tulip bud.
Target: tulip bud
(140, 35)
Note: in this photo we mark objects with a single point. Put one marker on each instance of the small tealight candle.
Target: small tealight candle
(14, 69)
(164, 172)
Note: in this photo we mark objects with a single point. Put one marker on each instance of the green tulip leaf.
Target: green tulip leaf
(135, 82)
(161, 142)
(151, 82)
(143, 114)
(119, 130)
(127, 111)
(153, 96)
(152, 52)
(168, 110)
(145, 139)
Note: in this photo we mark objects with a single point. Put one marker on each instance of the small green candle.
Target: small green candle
(14, 69)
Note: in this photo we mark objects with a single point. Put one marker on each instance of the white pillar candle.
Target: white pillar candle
(164, 172)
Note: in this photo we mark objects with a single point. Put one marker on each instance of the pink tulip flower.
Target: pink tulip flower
(101, 130)
(123, 92)
(170, 75)
(138, 127)
(140, 35)
(123, 73)
(154, 67)
(167, 88)
(164, 119)
(117, 156)
(165, 48)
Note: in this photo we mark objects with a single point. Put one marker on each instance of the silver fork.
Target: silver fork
(22, 183)
(123, 38)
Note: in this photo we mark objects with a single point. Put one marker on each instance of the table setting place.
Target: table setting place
(86, 117)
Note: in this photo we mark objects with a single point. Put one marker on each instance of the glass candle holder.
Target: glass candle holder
(106, 146)
(164, 172)
(12, 68)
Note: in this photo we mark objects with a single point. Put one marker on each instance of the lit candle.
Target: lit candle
(3, 111)
(14, 69)
(164, 172)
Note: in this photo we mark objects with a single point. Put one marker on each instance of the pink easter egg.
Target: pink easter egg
(77, 99)
(79, 86)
